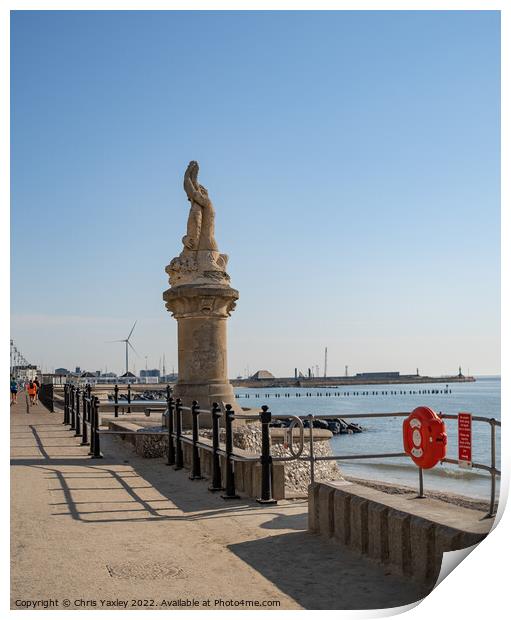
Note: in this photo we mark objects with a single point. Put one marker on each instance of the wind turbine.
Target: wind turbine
(128, 344)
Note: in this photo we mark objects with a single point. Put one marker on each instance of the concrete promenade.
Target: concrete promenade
(122, 529)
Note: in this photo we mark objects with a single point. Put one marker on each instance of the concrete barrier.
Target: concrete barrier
(407, 534)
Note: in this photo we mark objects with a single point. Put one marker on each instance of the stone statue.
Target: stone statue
(200, 262)
(200, 231)
(201, 300)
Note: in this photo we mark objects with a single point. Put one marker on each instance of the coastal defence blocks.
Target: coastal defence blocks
(406, 534)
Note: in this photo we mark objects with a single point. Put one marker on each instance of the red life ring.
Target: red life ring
(424, 437)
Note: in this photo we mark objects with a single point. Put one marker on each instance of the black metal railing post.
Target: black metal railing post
(85, 407)
(96, 453)
(92, 427)
(66, 412)
(171, 452)
(179, 447)
(196, 471)
(129, 397)
(66, 404)
(116, 400)
(77, 413)
(72, 402)
(216, 479)
(266, 460)
(230, 489)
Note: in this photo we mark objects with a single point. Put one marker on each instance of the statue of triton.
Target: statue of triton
(201, 300)
(200, 262)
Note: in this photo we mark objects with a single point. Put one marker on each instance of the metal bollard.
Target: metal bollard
(96, 452)
(230, 489)
(85, 407)
(171, 453)
(77, 414)
(266, 460)
(116, 400)
(179, 447)
(72, 401)
(129, 397)
(216, 481)
(196, 472)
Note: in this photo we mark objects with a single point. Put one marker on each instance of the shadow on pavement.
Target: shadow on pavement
(319, 574)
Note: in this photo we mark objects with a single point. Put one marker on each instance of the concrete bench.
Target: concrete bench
(407, 534)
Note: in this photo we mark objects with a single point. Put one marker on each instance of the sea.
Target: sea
(380, 435)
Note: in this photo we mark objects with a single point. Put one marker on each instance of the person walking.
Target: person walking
(32, 392)
(14, 391)
(37, 387)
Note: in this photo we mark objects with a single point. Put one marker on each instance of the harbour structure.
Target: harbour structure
(367, 378)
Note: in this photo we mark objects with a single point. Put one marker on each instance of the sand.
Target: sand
(450, 498)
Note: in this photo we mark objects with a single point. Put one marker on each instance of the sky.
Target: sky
(353, 159)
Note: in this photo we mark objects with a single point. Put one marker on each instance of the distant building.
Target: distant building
(169, 378)
(61, 371)
(25, 373)
(127, 377)
(262, 374)
(150, 373)
(78, 370)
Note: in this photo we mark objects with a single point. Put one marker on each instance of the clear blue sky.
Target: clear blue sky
(353, 159)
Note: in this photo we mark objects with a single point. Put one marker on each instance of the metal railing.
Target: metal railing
(81, 413)
(492, 469)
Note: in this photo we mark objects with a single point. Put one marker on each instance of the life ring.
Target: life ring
(424, 437)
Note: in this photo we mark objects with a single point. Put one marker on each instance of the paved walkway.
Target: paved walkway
(126, 529)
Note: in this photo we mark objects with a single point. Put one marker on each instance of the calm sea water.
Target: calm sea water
(481, 398)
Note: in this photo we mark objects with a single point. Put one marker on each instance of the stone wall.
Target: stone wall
(407, 535)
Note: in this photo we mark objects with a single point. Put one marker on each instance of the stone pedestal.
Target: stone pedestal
(202, 312)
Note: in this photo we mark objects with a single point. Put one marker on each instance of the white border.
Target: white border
(478, 585)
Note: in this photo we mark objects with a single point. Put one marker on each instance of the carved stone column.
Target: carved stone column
(202, 312)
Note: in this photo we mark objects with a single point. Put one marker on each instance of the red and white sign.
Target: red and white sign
(465, 439)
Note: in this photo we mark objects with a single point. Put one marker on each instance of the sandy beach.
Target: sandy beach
(450, 498)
